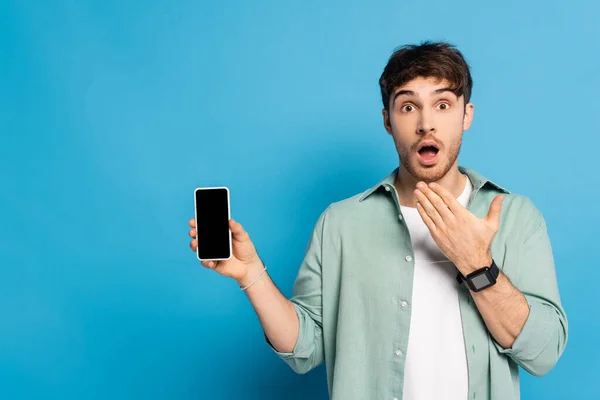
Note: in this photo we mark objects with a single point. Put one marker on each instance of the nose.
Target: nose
(426, 123)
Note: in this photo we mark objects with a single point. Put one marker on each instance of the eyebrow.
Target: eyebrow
(411, 93)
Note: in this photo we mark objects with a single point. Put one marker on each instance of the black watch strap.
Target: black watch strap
(493, 270)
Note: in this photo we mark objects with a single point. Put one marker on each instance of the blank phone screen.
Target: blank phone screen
(212, 223)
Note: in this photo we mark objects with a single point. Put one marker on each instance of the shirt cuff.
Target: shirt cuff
(305, 344)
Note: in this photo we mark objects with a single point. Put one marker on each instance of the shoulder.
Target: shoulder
(352, 206)
(348, 212)
(520, 217)
(523, 208)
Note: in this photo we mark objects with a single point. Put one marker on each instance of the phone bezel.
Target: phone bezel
(228, 218)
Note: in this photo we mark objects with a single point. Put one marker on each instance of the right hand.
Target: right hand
(244, 258)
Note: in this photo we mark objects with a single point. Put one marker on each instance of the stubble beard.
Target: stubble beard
(409, 161)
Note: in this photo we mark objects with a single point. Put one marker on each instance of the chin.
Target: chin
(428, 174)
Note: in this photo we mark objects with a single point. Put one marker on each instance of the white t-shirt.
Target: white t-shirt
(436, 362)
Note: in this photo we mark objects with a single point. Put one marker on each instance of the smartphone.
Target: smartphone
(212, 213)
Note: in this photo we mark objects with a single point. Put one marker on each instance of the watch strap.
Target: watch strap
(493, 268)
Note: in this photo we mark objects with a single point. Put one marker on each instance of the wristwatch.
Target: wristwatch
(480, 279)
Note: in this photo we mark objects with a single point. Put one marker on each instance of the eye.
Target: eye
(444, 106)
(407, 108)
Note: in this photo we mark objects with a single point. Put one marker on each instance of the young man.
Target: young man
(436, 283)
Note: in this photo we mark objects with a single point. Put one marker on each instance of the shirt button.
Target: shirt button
(395, 398)
(400, 217)
(408, 258)
(387, 188)
(398, 353)
(403, 304)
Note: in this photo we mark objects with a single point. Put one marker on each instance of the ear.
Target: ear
(468, 119)
(386, 121)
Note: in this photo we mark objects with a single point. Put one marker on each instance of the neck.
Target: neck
(454, 181)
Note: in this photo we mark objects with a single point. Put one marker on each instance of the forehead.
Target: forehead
(423, 87)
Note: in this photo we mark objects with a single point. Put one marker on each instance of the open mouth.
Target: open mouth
(428, 153)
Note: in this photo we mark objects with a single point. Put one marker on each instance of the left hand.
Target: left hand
(462, 237)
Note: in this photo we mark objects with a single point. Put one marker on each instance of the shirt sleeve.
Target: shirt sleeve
(543, 338)
(308, 352)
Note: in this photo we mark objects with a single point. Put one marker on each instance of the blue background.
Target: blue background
(111, 113)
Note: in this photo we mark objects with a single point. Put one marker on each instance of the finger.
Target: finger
(431, 211)
(426, 218)
(208, 264)
(436, 201)
(193, 232)
(237, 230)
(194, 245)
(447, 198)
(192, 223)
(493, 216)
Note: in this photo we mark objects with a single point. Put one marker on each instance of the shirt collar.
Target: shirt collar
(476, 178)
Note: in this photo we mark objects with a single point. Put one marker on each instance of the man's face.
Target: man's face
(425, 112)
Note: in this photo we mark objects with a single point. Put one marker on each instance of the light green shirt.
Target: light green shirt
(358, 270)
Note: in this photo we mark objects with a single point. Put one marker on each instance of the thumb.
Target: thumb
(237, 230)
(493, 217)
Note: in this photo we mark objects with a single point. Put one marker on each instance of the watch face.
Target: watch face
(480, 280)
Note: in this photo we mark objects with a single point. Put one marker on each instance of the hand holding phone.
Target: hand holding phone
(223, 245)
(220, 242)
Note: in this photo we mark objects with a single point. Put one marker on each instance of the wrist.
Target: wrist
(481, 279)
(252, 272)
(473, 266)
